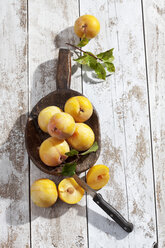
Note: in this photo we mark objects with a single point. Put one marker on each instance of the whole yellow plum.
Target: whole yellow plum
(87, 25)
(79, 107)
(45, 115)
(61, 125)
(44, 193)
(83, 137)
(52, 151)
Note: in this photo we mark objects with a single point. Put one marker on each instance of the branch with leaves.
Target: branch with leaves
(70, 168)
(99, 63)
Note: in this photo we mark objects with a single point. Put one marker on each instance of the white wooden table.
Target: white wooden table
(131, 107)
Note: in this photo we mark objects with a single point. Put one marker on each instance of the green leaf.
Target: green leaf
(92, 62)
(106, 56)
(82, 59)
(93, 148)
(100, 71)
(72, 152)
(69, 169)
(110, 66)
(88, 60)
(86, 52)
(83, 42)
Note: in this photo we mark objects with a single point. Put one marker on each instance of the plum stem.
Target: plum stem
(81, 110)
(85, 28)
(83, 51)
(99, 177)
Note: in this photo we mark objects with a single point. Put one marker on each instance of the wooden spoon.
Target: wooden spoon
(34, 135)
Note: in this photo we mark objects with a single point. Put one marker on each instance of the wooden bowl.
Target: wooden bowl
(34, 136)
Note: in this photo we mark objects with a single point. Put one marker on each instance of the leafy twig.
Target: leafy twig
(69, 169)
(84, 41)
(74, 152)
(93, 61)
(93, 148)
(92, 55)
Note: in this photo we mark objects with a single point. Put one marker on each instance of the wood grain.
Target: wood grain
(131, 115)
(154, 23)
(122, 103)
(14, 185)
(62, 225)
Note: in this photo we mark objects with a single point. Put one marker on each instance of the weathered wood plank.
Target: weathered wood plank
(62, 225)
(14, 185)
(122, 103)
(154, 20)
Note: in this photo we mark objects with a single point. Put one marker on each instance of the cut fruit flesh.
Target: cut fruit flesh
(98, 176)
(70, 191)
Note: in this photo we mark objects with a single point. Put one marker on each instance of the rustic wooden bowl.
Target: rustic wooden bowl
(34, 135)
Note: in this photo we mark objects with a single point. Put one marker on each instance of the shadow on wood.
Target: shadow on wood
(105, 225)
(66, 35)
(14, 170)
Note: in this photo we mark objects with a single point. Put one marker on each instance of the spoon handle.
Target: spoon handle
(63, 75)
(113, 213)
